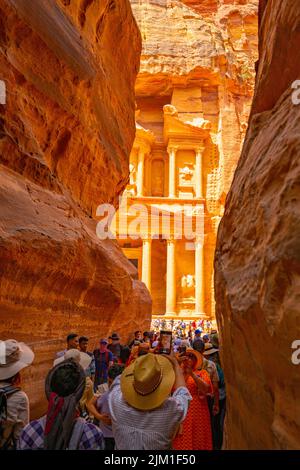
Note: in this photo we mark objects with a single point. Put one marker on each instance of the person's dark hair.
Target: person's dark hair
(66, 379)
(199, 345)
(146, 333)
(124, 354)
(15, 378)
(71, 336)
(83, 339)
(142, 352)
(115, 370)
(136, 332)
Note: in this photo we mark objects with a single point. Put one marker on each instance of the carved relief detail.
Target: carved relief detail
(186, 175)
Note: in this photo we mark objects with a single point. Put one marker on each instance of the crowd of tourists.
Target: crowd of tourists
(119, 396)
(183, 327)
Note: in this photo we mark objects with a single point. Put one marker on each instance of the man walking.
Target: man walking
(115, 346)
(72, 343)
(103, 361)
(83, 347)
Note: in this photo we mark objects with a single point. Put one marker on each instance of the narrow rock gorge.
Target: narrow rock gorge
(95, 85)
(257, 263)
(66, 133)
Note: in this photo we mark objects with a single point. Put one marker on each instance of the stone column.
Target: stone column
(146, 262)
(140, 173)
(198, 173)
(171, 278)
(199, 277)
(172, 168)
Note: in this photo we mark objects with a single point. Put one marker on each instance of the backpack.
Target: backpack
(76, 434)
(7, 442)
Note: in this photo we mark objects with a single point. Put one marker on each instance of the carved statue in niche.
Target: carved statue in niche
(188, 281)
(186, 174)
(131, 187)
(188, 288)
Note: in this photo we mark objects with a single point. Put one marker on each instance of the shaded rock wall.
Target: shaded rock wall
(257, 260)
(66, 134)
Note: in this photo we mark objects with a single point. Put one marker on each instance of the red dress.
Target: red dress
(195, 433)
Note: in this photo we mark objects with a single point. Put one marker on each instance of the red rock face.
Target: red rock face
(66, 133)
(257, 259)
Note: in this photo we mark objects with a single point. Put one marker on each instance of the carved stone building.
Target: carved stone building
(162, 221)
(193, 96)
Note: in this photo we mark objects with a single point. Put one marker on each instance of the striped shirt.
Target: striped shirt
(146, 430)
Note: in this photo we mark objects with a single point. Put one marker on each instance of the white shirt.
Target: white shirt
(146, 430)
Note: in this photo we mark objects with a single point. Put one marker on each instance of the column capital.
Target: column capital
(146, 238)
(199, 149)
(172, 148)
(171, 240)
(199, 240)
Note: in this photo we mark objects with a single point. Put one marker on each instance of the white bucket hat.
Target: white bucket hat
(80, 357)
(14, 356)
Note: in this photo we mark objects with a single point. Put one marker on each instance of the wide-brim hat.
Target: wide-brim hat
(78, 356)
(14, 356)
(148, 381)
(197, 356)
(210, 349)
(114, 337)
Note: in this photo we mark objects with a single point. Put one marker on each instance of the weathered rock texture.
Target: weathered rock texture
(66, 134)
(199, 56)
(257, 259)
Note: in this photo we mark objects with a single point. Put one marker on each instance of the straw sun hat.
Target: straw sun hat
(80, 357)
(196, 355)
(148, 381)
(14, 356)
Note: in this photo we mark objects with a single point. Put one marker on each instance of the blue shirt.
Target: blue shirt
(102, 360)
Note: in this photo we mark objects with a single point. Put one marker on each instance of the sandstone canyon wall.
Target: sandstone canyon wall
(66, 133)
(198, 56)
(257, 259)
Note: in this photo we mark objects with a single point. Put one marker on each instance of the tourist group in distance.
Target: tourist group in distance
(163, 390)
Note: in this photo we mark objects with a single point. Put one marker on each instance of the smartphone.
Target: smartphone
(165, 342)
